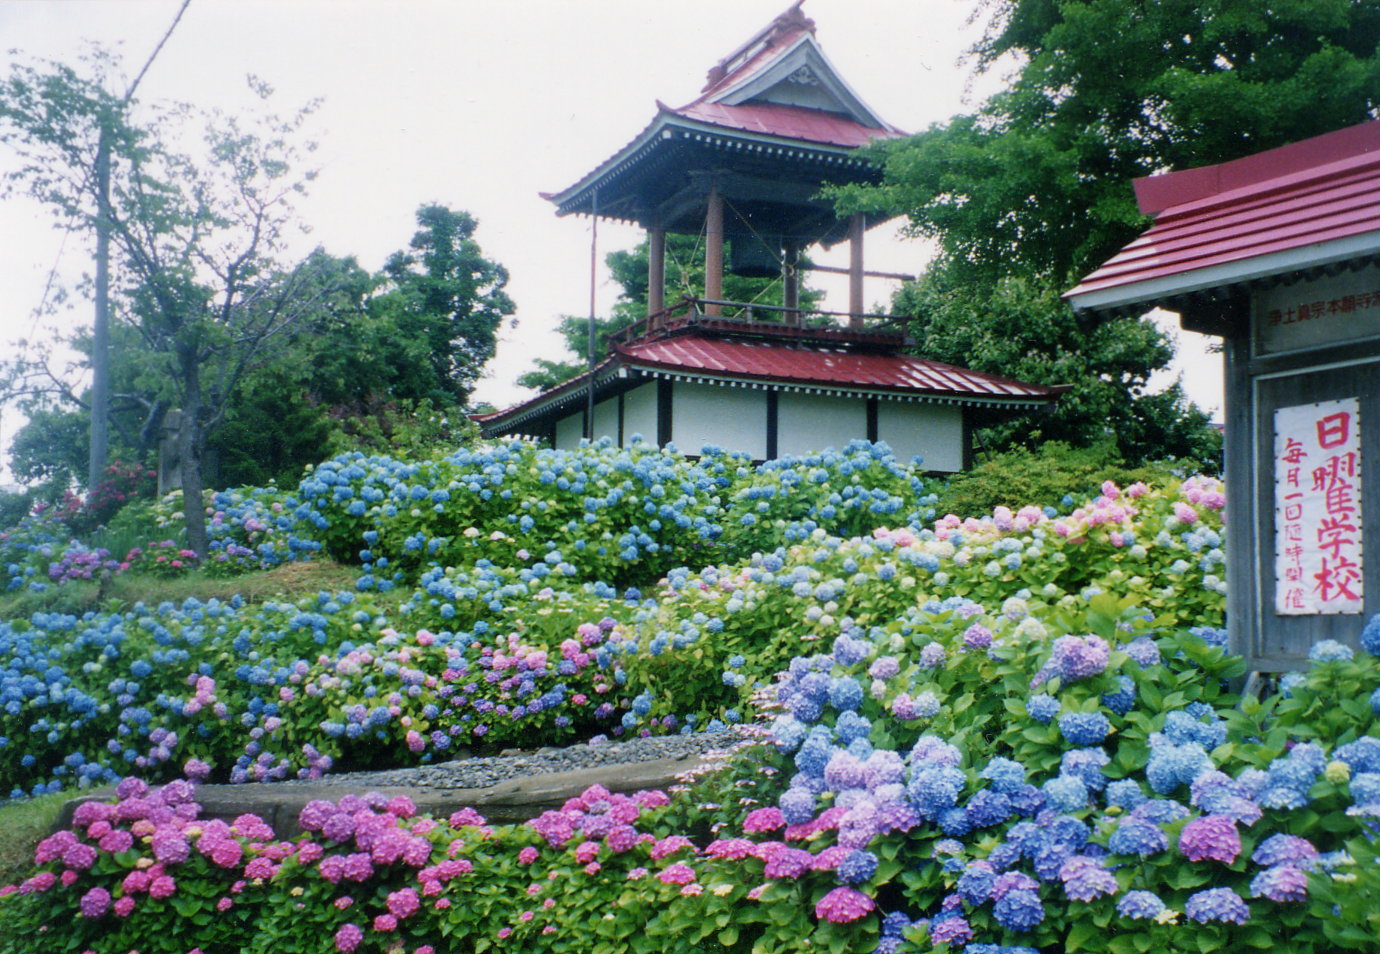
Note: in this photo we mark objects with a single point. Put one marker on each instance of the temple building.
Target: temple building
(743, 166)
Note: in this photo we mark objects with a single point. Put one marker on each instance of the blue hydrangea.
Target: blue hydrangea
(845, 693)
(857, 866)
(1143, 651)
(1123, 699)
(1126, 794)
(1217, 904)
(1135, 836)
(1172, 766)
(1161, 811)
(988, 808)
(1365, 788)
(852, 726)
(1019, 910)
(933, 789)
(1329, 650)
(975, 885)
(1004, 774)
(1370, 636)
(1086, 765)
(1042, 707)
(1362, 755)
(1066, 793)
(1084, 728)
(1375, 701)
(1140, 905)
(797, 806)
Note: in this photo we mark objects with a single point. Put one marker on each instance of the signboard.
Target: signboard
(1318, 509)
(1323, 311)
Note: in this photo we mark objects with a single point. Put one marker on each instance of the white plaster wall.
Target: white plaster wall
(931, 431)
(606, 419)
(569, 431)
(733, 418)
(639, 414)
(808, 423)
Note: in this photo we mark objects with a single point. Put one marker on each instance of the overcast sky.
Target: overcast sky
(480, 105)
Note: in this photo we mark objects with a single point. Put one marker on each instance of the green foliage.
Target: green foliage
(1033, 190)
(1045, 476)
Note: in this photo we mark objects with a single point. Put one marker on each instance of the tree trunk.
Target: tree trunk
(193, 510)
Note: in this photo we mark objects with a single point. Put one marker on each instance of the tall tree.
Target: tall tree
(446, 296)
(1033, 189)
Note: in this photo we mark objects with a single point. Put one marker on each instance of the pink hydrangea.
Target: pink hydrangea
(677, 874)
(763, 819)
(1210, 838)
(843, 905)
(348, 938)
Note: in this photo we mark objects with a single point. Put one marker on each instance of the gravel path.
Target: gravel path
(513, 764)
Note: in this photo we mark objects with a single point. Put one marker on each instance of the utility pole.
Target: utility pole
(100, 330)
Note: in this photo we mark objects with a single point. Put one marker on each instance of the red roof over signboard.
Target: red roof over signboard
(1287, 210)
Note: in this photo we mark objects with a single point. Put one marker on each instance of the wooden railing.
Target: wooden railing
(690, 311)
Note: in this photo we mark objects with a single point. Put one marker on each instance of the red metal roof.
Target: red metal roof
(1281, 210)
(784, 357)
(786, 122)
(797, 364)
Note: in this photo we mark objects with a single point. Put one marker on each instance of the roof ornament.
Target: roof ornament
(790, 23)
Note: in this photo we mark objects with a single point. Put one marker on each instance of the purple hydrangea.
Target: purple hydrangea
(1077, 657)
(977, 636)
(1210, 838)
(1086, 878)
(1217, 904)
(1281, 883)
(1143, 651)
(953, 930)
(1282, 849)
(931, 656)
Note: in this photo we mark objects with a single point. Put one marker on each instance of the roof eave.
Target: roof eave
(665, 126)
(1096, 296)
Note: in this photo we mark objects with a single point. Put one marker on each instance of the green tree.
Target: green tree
(684, 278)
(1034, 187)
(446, 302)
(198, 241)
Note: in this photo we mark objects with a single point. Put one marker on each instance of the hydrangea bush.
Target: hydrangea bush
(1001, 735)
(487, 655)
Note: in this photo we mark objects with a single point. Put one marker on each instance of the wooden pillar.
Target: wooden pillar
(790, 282)
(656, 276)
(855, 270)
(714, 251)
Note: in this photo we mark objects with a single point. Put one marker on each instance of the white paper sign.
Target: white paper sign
(1318, 509)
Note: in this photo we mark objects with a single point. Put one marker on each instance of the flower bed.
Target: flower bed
(1001, 735)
